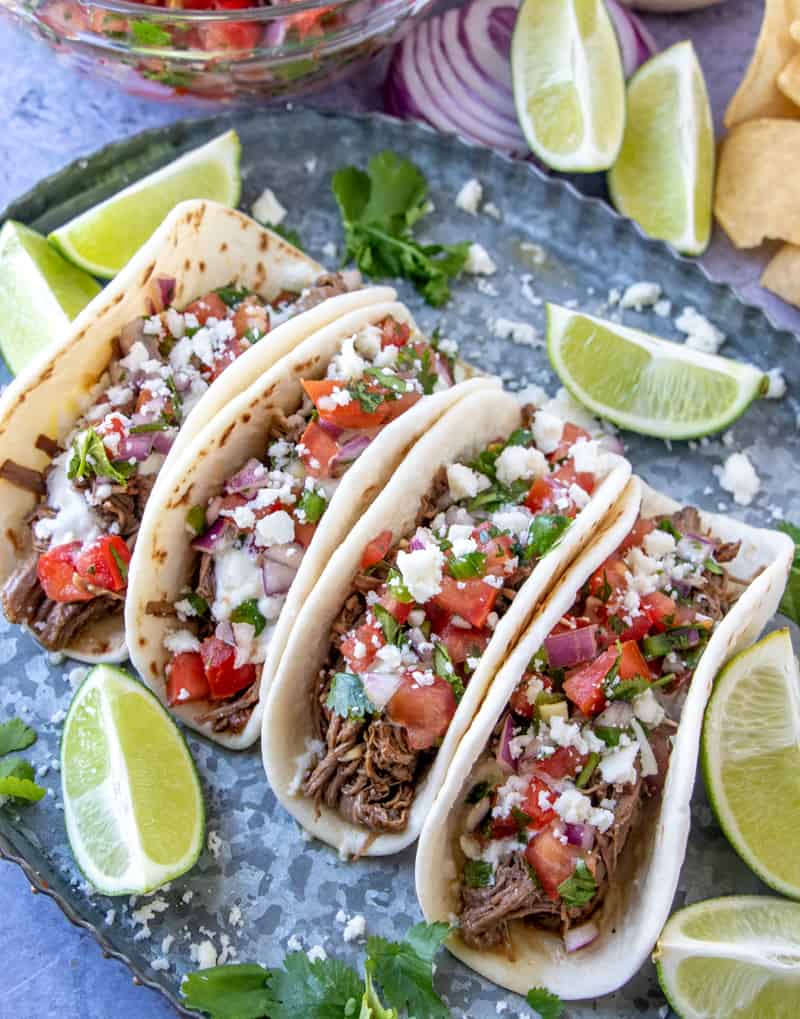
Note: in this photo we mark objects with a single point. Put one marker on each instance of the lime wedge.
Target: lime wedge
(569, 88)
(39, 293)
(648, 385)
(664, 176)
(103, 239)
(736, 957)
(751, 759)
(132, 800)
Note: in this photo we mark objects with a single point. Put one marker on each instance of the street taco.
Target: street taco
(231, 547)
(207, 305)
(397, 645)
(556, 842)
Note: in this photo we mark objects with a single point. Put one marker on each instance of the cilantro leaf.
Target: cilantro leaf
(367, 399)
(391, 628)
(444, 668)
(379, 209)
(387, 379)
(790, 603)
(578, 889)
(145, 33)
(547, 1004)
(323, 989)
(196, 519)
(472, 564)
(89, 457)
(545, 531)
(231, 294)
(347, 696)
(249, 612)
(16, 780)
(238, 991)
(478, 873)
(15, 735)
(405, 970)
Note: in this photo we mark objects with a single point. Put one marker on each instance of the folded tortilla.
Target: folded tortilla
(288, 727)
(163, 560)
(640, 896)
(201, 246)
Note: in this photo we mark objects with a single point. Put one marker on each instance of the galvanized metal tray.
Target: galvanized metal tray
(260, 882)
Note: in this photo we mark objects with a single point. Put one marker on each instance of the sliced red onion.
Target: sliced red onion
(214, 536)
(224, 631)
(163, 441)
(579, 937)
(252, 475)
(572, 647)
(380, 687)
(580, 835)
(636, 44)
(503, 754)
(136, 447)
(333, 430)
(351, 451)
(277, 577)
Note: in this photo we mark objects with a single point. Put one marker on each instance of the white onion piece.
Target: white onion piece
(636, 44)
(244, 634)
(380, 687)
(617, 715)
(579, 937)
(276, 577)
(649, 762)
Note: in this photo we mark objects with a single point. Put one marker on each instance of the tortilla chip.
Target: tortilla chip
(789, 79)
(782, 275)
(758, 184)
(758, 94)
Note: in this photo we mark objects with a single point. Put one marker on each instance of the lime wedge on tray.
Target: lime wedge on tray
(751, 759)
(132, 800)
(102, 239)
(648, 385)
(664, 175)
(40, 292)
(732, 958)
(569, 88)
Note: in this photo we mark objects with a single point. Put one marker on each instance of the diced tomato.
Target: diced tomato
(498, 551)
(437, 616)
(504, 827)
(539, 814)
(400, 610)
(462, 644)
(209, 306)
(565, 762)
(640, 627)
(233, 349)
(186, 679)
(520, 704)
(104, 563)
(224, 679)
(424, 711)
(304, 533)
(637, 534)
(472, 599)
(660, 609)
(584, 685)
(632, 663)
(610, 579)
(351, 414)
(113, 427)
(104, 22)
(394, 333)
(569, 437)
(231, 35)
(376, 549)
(56, 573)
(566, 475)
(319, 449)
(250, 316)
(543, 494)
(308, 23)
(394, 408)
(370, 635)
(552, 860)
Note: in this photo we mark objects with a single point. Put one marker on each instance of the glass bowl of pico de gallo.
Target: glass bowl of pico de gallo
(217, 50)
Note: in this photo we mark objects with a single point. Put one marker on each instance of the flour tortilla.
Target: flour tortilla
(459, 435)
(639, 902)
(202, 245)
(163, 559)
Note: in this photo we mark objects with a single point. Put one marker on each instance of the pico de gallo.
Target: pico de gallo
(423, 610)
(93, 493)
(252, 537)
(587, 734)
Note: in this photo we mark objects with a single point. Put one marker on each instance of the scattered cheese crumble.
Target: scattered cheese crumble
(738, 476)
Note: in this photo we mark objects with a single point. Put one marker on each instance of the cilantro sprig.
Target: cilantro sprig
(347, 696)
(379, 209)
(580, 888)
(17, 774)
(547, 1004)
(89, 458)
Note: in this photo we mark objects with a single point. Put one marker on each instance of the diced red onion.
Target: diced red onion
(580, 835)
(617, 715)
(416, 544)
(442, 369)
(152, 409)
(636, 44)
(351, 450)
(571, 647)
(163, 441)
(576, 938)
(224, 631)
(252, 475)
(380, 687)
(333, 430)
(213, 537)
(166, 289)
(277, 577)
(503, 754)
(135, 447)
(290, 554)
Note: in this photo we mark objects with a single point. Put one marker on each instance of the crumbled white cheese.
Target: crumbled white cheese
(578, 495)
(145, 914)
(511, 794)
(574, 807)
(547, 431)
(464, 483)
(479, 262)
(347, 364)
(517, 462)
(777, 385)
(490, 209)
(588, 456)
(275, 529)
(238, 578)
(647, 708)
(355, 928)
(267, 209)
(640, 295)
(518, 332)
(700, 333)
(738, 476)
(618, 766)
(470, 195)
(659, 543)
(317, 954)
(536, 251)
(74, 520)
(567, 734)
(294, 944)
(204, 954)
(214, 843)
(421, 571)
(644, 572)
(180, 641)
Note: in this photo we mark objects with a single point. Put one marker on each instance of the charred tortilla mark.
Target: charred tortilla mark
(246, 418)
(226, 434)
(147, 274)
(263, 244)
(117, 298)
(201, 265)
(187, 265)
(223, 247)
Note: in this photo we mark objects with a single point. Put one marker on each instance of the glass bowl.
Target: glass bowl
(227, 51)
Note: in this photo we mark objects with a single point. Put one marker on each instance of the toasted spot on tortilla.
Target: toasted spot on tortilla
(226, 434)
(160, 555)
(201, 265)
(187, 265)
(117, 298)
(246, 418)
(147, 274)
(223, 246)
(264, 242)
(47, 373)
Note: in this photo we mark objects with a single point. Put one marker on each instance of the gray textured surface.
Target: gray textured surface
(52, 969)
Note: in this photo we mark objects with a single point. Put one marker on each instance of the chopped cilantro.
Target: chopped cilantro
(626, 689)
(545, 531)
(522, 820)
(473, 564)
(616, 625)
(347, 696)
(606, 590)
(152, 426)
(379, 209)
(399, 591)
(609, 734)
(427, 377)
(713, 567)
(499, 495)
(196, 519)
(89, 458)
(176, 401)
(478, 792)
(387, 379)
(656, 646)
(321, 989)
(443, 667)
(15, 735)
(232, 295)
(547, 1004)
(312, 504)
(578, 889)
(146, 33)
(667, 525)
(367, 399)
(520, 437)
(478, 873)
(249, 612)
(16, 780)
(198, 603)
(392, 630)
